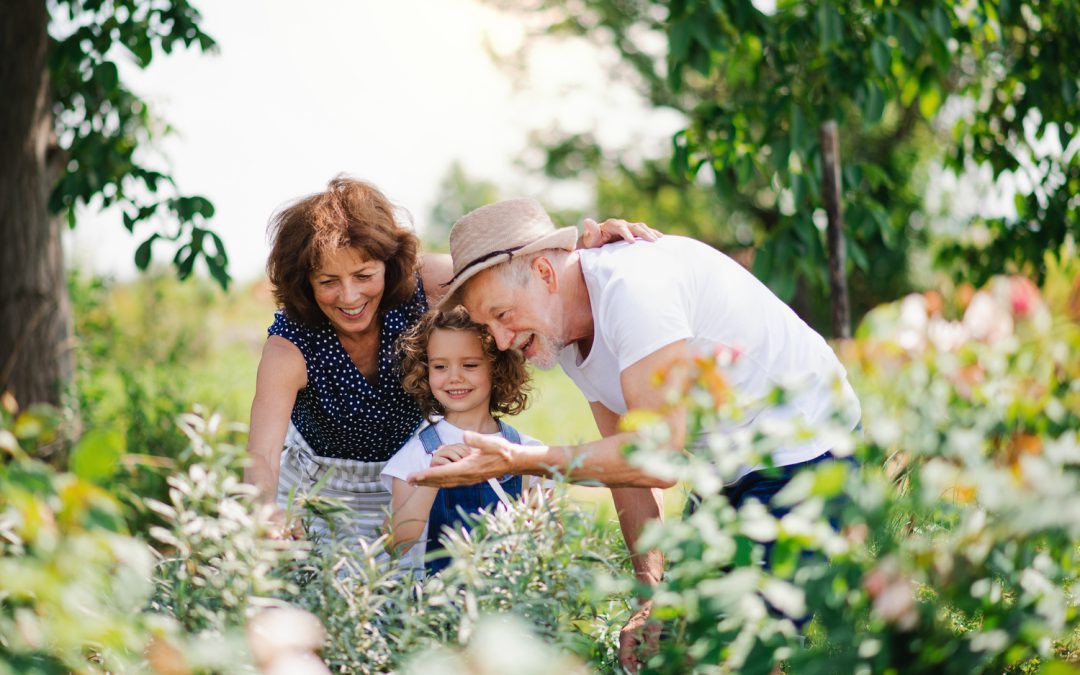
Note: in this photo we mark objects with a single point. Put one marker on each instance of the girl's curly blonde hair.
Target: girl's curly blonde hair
(509, 378)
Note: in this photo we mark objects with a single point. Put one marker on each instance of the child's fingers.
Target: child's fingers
(450, 453)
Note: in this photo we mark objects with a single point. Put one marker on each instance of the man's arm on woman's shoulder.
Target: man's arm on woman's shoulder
(435, 270)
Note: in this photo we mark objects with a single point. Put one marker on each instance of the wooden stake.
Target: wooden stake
(830, 187)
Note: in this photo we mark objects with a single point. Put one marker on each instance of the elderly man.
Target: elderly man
(613, 317)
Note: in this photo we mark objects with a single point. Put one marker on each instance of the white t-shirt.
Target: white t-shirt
(646, 296)
(412, 458)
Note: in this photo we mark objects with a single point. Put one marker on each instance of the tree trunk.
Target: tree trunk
(35, 333)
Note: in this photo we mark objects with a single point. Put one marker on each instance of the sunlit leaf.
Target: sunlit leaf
(96, 457)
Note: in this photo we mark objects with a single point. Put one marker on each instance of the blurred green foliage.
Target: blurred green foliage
(146, 351)
(914, 86)
(102, 128)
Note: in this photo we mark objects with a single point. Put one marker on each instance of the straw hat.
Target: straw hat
(495, 233)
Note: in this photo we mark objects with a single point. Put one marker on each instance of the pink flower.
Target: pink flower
(1024, 296)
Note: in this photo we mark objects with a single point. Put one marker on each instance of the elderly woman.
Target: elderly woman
(329, 408)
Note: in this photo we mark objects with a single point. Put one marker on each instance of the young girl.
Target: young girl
(463, 383)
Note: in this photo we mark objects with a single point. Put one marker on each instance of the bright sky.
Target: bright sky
(392, 92)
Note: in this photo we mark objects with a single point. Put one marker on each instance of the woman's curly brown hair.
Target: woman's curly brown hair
(350, 213)
(509, 376)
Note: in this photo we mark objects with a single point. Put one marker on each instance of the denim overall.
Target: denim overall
(451, 503)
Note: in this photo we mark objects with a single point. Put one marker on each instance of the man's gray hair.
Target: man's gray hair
(515, 271)
(518, 270)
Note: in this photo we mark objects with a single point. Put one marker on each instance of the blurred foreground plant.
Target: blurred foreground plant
(958, 546)
(536, 560)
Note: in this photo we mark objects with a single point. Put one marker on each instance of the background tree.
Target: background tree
(72, 134)
(756, 85)
(458, 194)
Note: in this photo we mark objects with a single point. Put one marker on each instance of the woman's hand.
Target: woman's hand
(613, 229)
(447, 454)
(283, 526)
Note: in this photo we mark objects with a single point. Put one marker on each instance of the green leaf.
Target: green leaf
(797, 126)
(909, 91)
(884, 227)
(786, 555)
(185, 263)
(1068, 90)
(830, 26)
(140, 47)
(142, 254)
(783, 282)
(96, 456)
(763, 263)
(873, 104)
(700, 30)
(798, 189)
(940, 23)
(882, 56)
(829, 479)
(744, 169)
(679, 41)
(930, 101)
(856, 254)
(680, 154)
(108, 76)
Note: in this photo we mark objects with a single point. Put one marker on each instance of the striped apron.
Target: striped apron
(355, 484)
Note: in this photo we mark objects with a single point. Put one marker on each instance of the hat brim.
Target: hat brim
(563, 238)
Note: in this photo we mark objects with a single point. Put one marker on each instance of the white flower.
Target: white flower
(987, 320)
(911, 326)
(286, 636)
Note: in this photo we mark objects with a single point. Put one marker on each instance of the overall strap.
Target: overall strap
(430, 438)
(509, 432)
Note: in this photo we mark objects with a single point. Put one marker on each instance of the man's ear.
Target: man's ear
(549, 277)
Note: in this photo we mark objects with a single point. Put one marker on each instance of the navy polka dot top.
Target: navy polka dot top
(339, 413)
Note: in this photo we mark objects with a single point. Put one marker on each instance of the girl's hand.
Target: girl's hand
(614, 229)
(447, 454)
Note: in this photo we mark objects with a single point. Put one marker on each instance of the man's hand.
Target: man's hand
(639, 639)
(489, 457)
(614, 229)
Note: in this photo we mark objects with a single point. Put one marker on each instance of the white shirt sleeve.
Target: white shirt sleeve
(406, 461)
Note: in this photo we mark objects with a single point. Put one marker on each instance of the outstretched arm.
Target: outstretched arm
(601, 461)
(635, 506)
(282, 373)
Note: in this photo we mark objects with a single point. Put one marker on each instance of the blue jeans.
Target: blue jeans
(449, 506)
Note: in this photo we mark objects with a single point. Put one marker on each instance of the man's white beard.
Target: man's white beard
(545, 351)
